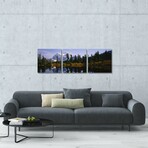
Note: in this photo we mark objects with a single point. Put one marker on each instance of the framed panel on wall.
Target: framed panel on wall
(99, 61)
(74, 61)
(49, 60)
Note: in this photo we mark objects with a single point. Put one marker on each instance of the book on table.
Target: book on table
(16, 121)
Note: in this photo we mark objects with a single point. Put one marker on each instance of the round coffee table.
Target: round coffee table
(5, 115)
(27, 124)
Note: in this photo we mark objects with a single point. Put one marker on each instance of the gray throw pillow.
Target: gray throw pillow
(112, 100)
(79, 93)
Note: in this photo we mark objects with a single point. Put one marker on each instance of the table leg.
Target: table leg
(25, 137)
(15, 136)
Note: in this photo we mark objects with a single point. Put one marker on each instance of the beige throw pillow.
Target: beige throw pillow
(46, 99)
(67, 103)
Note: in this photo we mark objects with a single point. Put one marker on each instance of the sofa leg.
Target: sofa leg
(129, 127)
(122, 127)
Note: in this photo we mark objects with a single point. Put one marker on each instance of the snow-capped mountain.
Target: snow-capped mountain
(64, 56)
(56, 56)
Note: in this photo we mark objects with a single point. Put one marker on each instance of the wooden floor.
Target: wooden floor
(97, 137)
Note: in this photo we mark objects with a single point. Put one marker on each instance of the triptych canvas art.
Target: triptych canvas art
(74, 61)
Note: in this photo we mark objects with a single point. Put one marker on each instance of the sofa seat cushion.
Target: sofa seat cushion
(58, 115)
(103, 115)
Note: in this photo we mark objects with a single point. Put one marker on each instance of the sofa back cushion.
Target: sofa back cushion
(33, 98)
(79, 93)
(47, 98)
(96, 97)
(68, 103)
(112, 100)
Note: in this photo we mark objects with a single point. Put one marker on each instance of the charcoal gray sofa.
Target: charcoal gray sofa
(28, 103)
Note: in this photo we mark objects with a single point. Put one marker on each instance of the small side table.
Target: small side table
(5, 115)
(40, 123)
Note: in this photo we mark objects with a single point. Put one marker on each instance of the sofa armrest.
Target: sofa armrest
(12, 107)
(138, 111)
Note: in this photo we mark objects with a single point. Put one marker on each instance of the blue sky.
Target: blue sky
(93, 51)
(74, 52)
(48, 53)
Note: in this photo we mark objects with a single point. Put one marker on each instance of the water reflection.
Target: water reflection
(74, 70)
(49, 70)
(100, 69)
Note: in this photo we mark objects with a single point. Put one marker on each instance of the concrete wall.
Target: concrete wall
(26, 25)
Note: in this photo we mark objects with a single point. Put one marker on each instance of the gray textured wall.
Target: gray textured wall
(26, 25)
